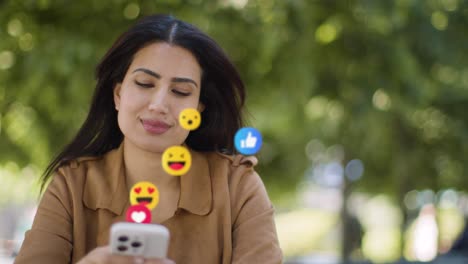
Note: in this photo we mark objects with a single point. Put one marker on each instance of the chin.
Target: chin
(156, 144)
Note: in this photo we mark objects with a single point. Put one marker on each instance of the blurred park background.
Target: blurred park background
(362, 105)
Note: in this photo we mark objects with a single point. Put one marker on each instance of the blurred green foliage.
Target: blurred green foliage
(386, 82)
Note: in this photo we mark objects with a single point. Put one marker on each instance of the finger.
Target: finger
(139, 260)
(97, 255)
(159, 261)
(116, 259)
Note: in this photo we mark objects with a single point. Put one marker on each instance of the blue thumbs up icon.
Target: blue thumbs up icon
(248, 141)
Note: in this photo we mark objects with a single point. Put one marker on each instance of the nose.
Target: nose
(159, 102)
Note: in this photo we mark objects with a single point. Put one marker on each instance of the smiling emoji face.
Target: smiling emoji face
(144, 193)
(176, 160)
(190, 119)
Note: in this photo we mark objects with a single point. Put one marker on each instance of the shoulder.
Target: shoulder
(79, 164)
(87, 178)
(234, 167)
(247, 193)
(69, 180)
(77, 169)
(238, 169)
(232, 161)
(90, 163)
(75, 173)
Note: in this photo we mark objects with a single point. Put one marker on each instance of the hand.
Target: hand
(249, 142)
(102, 255)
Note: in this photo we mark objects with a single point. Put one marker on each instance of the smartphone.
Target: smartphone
(144, 240)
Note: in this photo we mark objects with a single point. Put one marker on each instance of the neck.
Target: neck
(141, 165)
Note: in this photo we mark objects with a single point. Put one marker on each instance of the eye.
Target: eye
(170, 155)
(144, 85)
(179, 93)
(182, 156)
(183, 117)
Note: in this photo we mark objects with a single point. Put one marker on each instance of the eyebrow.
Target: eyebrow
(158, 76)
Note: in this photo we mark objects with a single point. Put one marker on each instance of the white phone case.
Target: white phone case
(134, 239)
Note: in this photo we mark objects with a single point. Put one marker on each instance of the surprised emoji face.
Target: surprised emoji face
(190, 119)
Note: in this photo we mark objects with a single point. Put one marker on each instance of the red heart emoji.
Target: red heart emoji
(138, 190)
(150, 190)
(138, 216)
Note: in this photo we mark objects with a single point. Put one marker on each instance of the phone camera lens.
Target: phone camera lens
(122, 248)
(136, 244)
(123, 238)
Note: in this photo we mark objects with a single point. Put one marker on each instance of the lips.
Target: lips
(176, 165)
(155, 126)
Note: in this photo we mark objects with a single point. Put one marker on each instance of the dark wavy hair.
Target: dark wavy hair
(222, 91)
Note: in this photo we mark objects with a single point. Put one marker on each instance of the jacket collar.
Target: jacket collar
(105, 185)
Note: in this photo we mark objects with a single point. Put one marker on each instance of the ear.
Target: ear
(200, 107)
(117, 89)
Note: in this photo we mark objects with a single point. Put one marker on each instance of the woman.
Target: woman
(219, 212)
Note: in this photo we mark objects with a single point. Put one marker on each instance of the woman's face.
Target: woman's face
(161, 81)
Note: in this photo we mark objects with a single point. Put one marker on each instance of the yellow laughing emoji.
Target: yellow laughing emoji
(190, 119)
(144, 193)
(176, 160)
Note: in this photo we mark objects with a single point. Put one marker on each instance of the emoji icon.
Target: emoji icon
(190, 119)
(144, 193)
(138, 213)
(176, 160)
(248, 141)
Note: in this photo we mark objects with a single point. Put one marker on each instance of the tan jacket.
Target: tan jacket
(223, 215)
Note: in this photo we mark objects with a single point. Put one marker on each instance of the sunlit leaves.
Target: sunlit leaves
(21, 127)
(386, 80)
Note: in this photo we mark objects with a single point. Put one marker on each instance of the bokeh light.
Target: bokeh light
(411, 200)
(449, 5)
(439, 20)
(326, 33)
(7, 59)
(373, 92)
(445, 74)
(381, 245)
(314, 148)
(25, 42)
(238, 4)
(15, 27)
(381, 100)
(354, 170)
(131, 11)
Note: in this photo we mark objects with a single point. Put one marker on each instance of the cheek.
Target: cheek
(193, 103)
(132, 101)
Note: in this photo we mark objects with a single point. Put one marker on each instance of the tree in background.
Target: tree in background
(387, 81)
